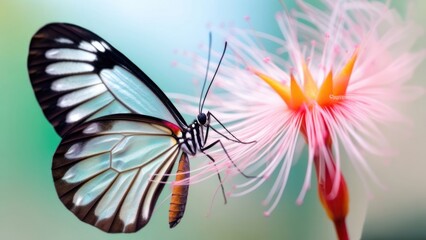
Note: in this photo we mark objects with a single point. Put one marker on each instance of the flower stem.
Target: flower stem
(341, 230)
(336, 206)
(332, 189)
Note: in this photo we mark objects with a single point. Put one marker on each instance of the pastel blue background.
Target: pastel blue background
(147, 32)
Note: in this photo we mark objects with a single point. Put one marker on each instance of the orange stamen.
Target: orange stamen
(309, 85)
(297, 96)
(342, 80)
(282, 90)
(326, 90)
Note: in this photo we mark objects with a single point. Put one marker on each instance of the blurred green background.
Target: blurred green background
(148, 32)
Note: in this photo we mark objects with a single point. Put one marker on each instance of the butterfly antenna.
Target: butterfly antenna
(207, 72)
(217, 69)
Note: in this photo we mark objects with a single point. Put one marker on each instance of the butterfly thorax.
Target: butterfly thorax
(193, 138)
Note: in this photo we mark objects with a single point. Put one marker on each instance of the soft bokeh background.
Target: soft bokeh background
(148, 32)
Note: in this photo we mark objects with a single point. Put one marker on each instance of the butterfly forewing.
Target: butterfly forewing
(110, 171)
(77, 76)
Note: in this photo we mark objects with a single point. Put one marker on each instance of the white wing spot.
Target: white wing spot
(75, 82)
(70, 54)
(82, 95)
(89, 107)
(105, 45)
(92, 128)
(60, 68)
(73, 150)
(87, 46)
(73, 117)
(98, 46)
(64, 40)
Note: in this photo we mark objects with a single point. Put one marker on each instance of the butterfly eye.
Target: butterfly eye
(202, 118)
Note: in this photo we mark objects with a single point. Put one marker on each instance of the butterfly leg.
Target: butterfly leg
(226, 152)
(209, 115)
(218, 175)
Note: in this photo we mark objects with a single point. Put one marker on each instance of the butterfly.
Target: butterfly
(121, 135)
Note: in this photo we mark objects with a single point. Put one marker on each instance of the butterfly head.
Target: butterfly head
(202, 119)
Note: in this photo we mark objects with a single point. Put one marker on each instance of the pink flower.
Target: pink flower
(335, 76)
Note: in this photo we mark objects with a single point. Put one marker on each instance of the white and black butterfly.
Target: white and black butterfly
(121, 135)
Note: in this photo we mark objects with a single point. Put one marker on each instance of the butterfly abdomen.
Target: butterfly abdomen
(179, 193)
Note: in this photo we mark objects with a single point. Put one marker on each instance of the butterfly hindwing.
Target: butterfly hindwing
(77, 76)
(110, 171)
